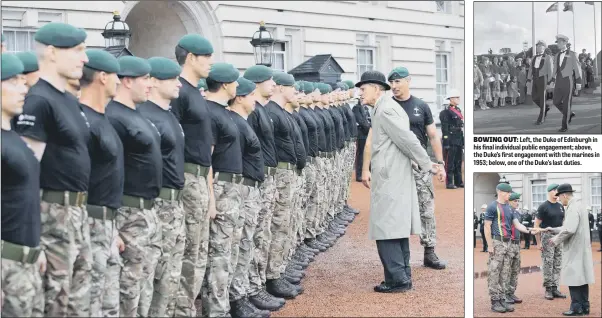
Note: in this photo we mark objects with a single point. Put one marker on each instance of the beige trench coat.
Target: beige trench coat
(394, 210)
(577, 262)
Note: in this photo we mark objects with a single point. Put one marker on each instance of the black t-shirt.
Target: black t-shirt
(141, 151)
(283, 133)
(172, 143)
(420, 116)
(550, 214)
(320, 131)
(262, 124)
(106, 156)
(190, 109)
(227, 156)
(55, 118)
(252, 157)
(312, 131)
(304, 130)
(297, 141)
(339, 132)
(350, 119)
(329, 133)
(21, 218)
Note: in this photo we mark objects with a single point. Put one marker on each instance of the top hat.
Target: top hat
(564, 188)
(373, 77)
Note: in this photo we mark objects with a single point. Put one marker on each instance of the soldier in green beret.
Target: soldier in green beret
(512, 265)
(252, 176)
(194, 53)
(23, 260)
(65, 167)
(227, 169)
(263, 127)
(136, 218)
(167, 245)
(31, 68)
(98, 85)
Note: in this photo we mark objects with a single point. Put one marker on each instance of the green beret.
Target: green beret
(281, 78)
(397, 73)
(163, 68)
(224, 73)
(258, 73)
(504, 187)
(196, 44)
(514, 196)
(349, 84)
(308, 87)
(131, 66)
(245, 87)
(29, 60)
(324, 88)
(202, 84)
(297, 86)
(11, 66)
(342, 86)
(102, 60)
(60, 35)
(552, 186)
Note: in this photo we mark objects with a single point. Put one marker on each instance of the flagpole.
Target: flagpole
(557, 17)
(533, 28)
(574, 34)
(596, 59)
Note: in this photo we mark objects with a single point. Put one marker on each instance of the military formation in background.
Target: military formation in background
(134, 187)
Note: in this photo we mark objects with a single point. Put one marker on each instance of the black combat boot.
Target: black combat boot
(496, 305)
(515, 299)
(280, 288)
(431, 260)
(291, 279)
(585, 308)
(451, 186)
(556, 293)
(315, 245)
(352, 210)
(549, 295)
(263, 300)
(509, 307)
(310, 249)
(508, 299)
(575, 310)
(242, 308)
(297, 288)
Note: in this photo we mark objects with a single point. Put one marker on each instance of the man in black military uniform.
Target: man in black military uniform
(452, 125)
(143, 165)
(592, 220)
(482, 226)
(22, 258)
(599, 219)
(528, 218)
(54, 127)
(99, 84)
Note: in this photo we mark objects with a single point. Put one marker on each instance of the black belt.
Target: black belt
(270, 171)
(20, 253)
(168, 194)
(136, 202)
(196, 170)
(311, 159)
(503, 239)
(64, 197)
(250, 182)
(100, 212)
(229, 177)
(286, 165)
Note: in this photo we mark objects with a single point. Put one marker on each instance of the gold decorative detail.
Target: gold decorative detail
(115, 12)
(261, 23)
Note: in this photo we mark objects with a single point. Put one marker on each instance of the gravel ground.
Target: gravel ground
(530, 288)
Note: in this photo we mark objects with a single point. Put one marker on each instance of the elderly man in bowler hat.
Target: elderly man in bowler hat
(394, 215)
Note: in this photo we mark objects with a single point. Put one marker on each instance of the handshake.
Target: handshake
(536, 230)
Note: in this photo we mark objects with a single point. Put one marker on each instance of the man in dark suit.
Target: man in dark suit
(362, 118)
(565, 65)
(528, 222)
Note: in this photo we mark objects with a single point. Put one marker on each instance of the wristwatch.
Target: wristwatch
(441, 163)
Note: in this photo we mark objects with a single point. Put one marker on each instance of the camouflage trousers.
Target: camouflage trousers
(331, 182)
(106, 268)
(349, 170)
(249, 213)
(297, 217)
(551, 257)
(22, 290)
(336, 187)
(426, 205)
(313, 177)
(133, 226)
(322, 182)
(262, 237)
(511, 269)
(495, 266)
(153, 254)
(309, 205)
(195, 199)
(343, 179)
(216, 302)
(79, 295)
(57, 239)
(169, 267)
(281, 220)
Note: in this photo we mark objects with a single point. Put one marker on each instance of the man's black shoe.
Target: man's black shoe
(573, 313)
(546, 113)
(263, 300)
(451, 186)
(539, 122)
(280, 288)
(571, 117)
(563, 130)
(397, 287)
(461, 185)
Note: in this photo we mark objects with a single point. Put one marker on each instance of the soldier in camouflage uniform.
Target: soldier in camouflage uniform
(227, 165)
(22, 258)
(194, 54)
(350, 102)
(163, 275)
(64, 174)
(104, 195)
(512, 267)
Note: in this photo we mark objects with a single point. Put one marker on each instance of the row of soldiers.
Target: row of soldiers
(125, 192)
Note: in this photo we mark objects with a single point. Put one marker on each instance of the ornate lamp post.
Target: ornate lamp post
(117, 36)
(263, 45)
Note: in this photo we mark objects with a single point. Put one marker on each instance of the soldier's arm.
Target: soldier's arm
(431, 131)
(36, 146)
(568, 228)
(212, 208)
(488, 231)
(520, 227)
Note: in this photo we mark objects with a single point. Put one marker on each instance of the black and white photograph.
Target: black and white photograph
(537, 68)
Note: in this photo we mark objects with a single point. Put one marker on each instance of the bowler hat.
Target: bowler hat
(373, 77)
(564, 188)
